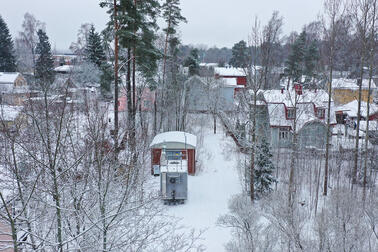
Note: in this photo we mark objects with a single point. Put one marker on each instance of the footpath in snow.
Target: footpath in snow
(210, 190)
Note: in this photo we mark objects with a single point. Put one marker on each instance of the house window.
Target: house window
(341, 118)
(283, 133)
(320, 112)
(290, 113)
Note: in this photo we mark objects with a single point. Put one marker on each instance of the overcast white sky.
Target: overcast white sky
(210, 22)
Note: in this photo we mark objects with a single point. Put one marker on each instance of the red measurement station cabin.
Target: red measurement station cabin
(178, 145)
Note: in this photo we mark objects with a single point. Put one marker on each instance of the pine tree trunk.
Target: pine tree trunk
(115, 80)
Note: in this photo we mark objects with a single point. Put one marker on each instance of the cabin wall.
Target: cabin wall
(192, 162)
(155, 158)
(156, 153)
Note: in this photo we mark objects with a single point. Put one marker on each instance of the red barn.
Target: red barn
(178, 145)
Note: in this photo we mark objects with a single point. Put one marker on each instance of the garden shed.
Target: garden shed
(178, 145)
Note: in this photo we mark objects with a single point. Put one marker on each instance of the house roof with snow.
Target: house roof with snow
(351, 108)
(278, 102)
(287, 97)
(343, 83)
(64, 69)
(229, 71)
(8, 78)
(9, 113)
(174, 139)
(208, 64)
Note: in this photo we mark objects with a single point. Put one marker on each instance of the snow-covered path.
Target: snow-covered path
(210, 190)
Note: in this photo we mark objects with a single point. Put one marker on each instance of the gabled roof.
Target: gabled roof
(174, 137)
(318, 97)
(8, 78)
(343, 83)
(351, 108)
(9, 113)
(229, 71)
(278, 101)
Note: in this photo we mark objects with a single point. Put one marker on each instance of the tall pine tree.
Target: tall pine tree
(94, 50)
(172, 16)
(264, 169)
(240, 55)
(7, 59)
(44, 68)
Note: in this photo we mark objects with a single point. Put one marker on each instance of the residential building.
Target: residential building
(301, 111)
(14, 89)
(346, 90)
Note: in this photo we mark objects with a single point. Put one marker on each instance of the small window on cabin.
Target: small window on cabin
(290, 113)
(320, 113)
(173, 155)
(283, 133)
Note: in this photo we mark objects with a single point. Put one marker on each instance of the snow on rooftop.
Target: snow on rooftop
(351, 108)
(343, 83)
(8, 77)
(230, 81)
(318, 97)
(277, 100)
(229, 71)
(175, 137)
(64, 68)
(9, 113)
(208, 64)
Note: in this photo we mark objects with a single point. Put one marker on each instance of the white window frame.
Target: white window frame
(283, 133)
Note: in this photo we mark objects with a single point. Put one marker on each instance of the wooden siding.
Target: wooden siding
(344, 96)
(192, 161)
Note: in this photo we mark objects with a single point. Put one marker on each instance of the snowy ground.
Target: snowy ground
(210, 190)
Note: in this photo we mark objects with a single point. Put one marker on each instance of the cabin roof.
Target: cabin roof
(181, 137)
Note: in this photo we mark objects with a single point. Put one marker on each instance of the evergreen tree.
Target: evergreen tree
(94, 50)
(95, 54)
(44, 68)
(7, 59)
(311, 58)
(172, 16)
(192, 62)
(295, 62)
(264, 169)
(240, 55)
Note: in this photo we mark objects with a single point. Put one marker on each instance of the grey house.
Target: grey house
(304, 112)
(208, 94)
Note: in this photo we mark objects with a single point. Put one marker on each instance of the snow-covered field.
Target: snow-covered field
(210, 189)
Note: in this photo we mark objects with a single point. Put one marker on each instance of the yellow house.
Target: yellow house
(346, 90)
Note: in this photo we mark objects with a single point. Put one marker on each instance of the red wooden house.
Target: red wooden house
(177, 145)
